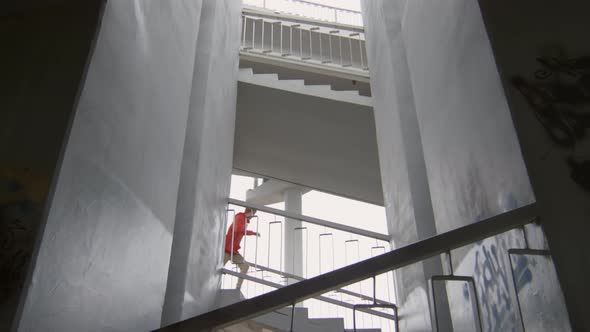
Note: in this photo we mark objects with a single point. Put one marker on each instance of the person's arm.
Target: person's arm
(251, 233)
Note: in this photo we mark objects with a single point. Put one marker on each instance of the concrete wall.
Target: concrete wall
(475, 167)
(306, 140)
(520, 33)
(42, 63)
(193, 280)
(433, 59)
(103, 254)
(406, 191)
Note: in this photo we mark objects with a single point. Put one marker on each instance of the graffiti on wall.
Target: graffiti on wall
(559, 96)
(493, 280)
(22, 194)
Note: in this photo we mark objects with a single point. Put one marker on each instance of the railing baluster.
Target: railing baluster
(300, 44)
(350, 50)
(244, 31)
(360, 50)
(281, 246)
(262, 38)
(310, 46)
(331, 56)
(272, 41)
(320, 42)
(253, 33)
(291, 37)
(311, 41)
(281, 39)
(256, 244)
(306, 249)
(340, 43)
(366, 67)
(331, 235)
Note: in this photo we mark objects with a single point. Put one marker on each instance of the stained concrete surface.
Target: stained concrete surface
(520, 33)
(473, 163)
(406, 193)
(44, 52)
(193, 280)
(102, 258)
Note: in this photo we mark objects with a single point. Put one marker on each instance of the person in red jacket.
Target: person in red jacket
(234, 236)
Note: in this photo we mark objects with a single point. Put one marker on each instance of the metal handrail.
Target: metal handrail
(335, 10)
(341, 290)
(328, 6)
(342, 277)
(311, 220)
(298, 44)
(319, 297)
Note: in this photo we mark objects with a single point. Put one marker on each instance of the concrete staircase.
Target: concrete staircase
(280, 320)
(247, 75)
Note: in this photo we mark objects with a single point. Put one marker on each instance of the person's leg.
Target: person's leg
(226, 257)
(243, 265)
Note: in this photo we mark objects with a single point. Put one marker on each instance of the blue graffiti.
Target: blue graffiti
(493, 282)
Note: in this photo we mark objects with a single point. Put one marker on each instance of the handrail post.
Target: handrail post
(292, 315)
(233, 235)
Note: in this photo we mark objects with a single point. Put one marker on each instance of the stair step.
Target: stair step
(299, 312)
(249, 71)
(294, 83)
(268, 76)
(321, 87)
(272, 80)
(349, 92)
(329, 324)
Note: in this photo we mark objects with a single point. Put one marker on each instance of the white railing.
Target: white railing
(310, 10)
(327, 47)
(324, 247)
(504, 280)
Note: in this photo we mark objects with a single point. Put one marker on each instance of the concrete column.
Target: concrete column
(293, 257)
(38, 97)
(193, 278)
(104, 247)
(406, 189)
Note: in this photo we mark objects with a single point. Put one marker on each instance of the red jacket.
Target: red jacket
(240, 225)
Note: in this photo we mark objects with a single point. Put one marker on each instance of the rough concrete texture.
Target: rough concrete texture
(314, 142)
(42, 64)
(103, 254)
(473, 163)
(520, 32)
(403, 172)
(202, 197)
(475, 167)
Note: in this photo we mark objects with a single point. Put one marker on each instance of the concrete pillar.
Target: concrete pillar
(103, 251)
(38, 99)
(193, 278)
(293, 257)
(406, 189)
